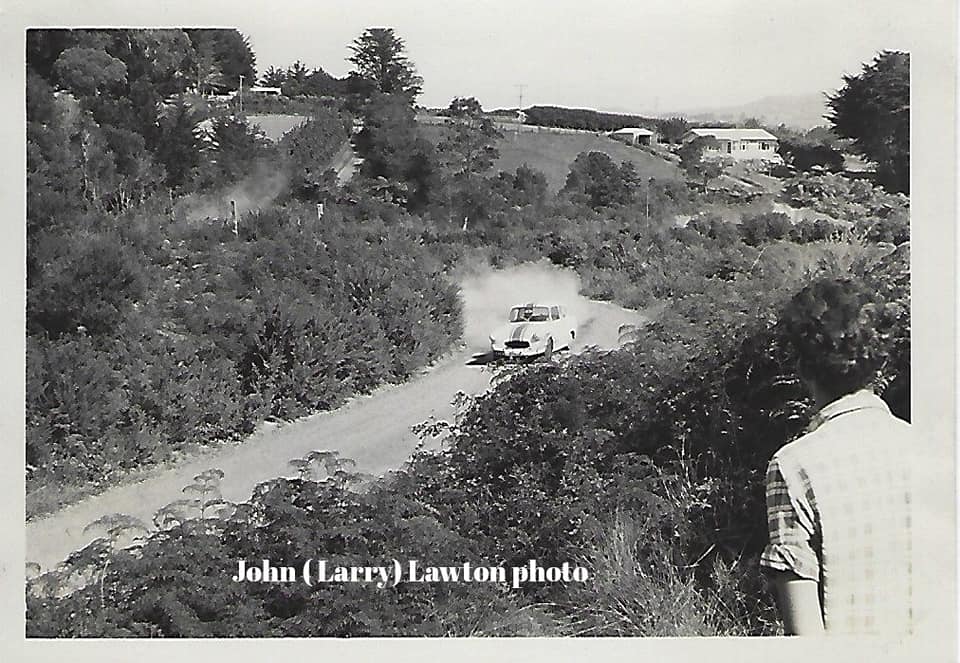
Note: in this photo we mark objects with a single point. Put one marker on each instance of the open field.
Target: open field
(552, 153)
(275, 126)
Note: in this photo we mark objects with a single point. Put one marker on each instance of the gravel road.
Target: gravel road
(374, 430)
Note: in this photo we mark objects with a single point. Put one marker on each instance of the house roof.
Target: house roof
(735, 134)
(636, 131)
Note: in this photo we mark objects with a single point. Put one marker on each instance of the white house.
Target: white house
(634, 136)
(738, 144)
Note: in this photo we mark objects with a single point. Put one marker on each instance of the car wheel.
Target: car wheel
(548, 352)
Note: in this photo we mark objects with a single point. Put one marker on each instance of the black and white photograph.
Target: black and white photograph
(559, 326)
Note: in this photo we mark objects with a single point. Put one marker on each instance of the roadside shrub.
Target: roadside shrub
(88, 279)
(763, 228)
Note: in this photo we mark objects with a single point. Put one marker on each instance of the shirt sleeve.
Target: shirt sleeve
(791, 524)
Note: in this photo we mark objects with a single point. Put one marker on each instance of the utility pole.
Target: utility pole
(241, 94)
(647, 198)
(520, 87)
(234, 218)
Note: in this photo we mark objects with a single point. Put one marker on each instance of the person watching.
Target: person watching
(839, 497)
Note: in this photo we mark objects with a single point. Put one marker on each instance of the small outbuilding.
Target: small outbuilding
(634, 136)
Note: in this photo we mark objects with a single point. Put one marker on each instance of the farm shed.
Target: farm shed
(634, 136)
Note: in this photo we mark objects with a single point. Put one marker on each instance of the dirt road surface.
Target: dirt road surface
(374, 430)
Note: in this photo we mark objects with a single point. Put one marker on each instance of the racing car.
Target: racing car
(534, 330)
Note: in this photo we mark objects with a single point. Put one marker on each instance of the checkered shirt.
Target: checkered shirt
(839, 513)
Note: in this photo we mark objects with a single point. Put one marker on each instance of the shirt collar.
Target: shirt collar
(858, 400)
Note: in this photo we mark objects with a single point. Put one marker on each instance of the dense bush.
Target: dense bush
(881, 216)
(645, 465)
(759, 229)
(284, 320)
(803, 154)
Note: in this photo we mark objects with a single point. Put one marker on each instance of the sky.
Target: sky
(640, 56)
(650, 56)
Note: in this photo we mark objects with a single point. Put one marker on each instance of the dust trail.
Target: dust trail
(256, 191)
(489, 294)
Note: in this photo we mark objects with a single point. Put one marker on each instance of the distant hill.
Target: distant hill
(552, 153)
(801, 111)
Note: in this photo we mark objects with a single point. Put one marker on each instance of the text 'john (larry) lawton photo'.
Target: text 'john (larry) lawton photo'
(327, 294)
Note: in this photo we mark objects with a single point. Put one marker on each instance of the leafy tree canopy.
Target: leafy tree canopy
(693, 163)
(379, 56)
(464, 107)
(223, 52)
(88, 71)
(392, 148)
(595, 178)
(873, 108)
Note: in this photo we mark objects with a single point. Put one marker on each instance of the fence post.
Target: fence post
(233, 218)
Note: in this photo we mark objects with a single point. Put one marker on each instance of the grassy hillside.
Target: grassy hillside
(552, 154)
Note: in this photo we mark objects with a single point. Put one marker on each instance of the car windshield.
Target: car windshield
(529, 314)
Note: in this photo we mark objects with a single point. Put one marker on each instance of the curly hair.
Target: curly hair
(838, 332)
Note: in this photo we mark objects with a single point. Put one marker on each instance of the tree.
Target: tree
(598, 181)
(378, 56)
(693, 163)
(160, 57)
(237, 148)
(392, 148)
(873, 108)
(88, 71)
(295, 79)
(222, 57)
(672, 129)
(273, 77)
(320, 84)
(524, 187)
(53, 180)
(804, 154)
(205, 67)
(44, 46)
(465, 154)
(179, 147)
(464, 107)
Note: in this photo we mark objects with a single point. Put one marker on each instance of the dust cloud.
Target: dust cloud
(488, 295)
(256, 191)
